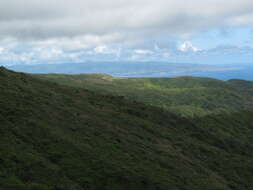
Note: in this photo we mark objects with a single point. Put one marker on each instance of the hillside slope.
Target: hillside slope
(61, 138)
(187, 96)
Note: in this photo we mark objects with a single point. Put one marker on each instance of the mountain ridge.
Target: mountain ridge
(187, 96)
(56, 137)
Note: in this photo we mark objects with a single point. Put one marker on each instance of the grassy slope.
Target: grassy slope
(187, 96)
(62, 138)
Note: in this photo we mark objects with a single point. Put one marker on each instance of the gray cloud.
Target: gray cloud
(35, 31)
(36, 19)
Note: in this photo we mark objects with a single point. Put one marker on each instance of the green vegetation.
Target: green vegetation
(186, 96)
(55, 137)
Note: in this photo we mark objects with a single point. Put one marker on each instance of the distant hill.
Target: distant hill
(187, 96)
(55, 137)
(142, 69)
(123, 69)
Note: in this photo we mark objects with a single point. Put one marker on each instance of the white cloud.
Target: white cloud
(25, 57)
(1, 50)
(156, 47)
(101, 49)
(78, 42)
(188, 46)
(143, 51)
(56, 51)
(104, 49)
(166, 54)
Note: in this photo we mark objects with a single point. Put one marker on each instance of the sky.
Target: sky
(61, 31)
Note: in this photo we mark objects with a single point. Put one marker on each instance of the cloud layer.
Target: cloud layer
(112, 28)
(59, 18)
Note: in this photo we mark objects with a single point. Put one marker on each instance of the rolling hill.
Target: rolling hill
(55, 137)
(187, 96)
(118, 68)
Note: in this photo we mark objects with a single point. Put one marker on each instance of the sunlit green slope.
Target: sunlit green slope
(187, 96)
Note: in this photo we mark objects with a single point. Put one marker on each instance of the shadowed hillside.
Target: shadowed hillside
(187, 96)
(56, 137)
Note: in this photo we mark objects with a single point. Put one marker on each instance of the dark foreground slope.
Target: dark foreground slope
(187, 96)
(60, 138)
